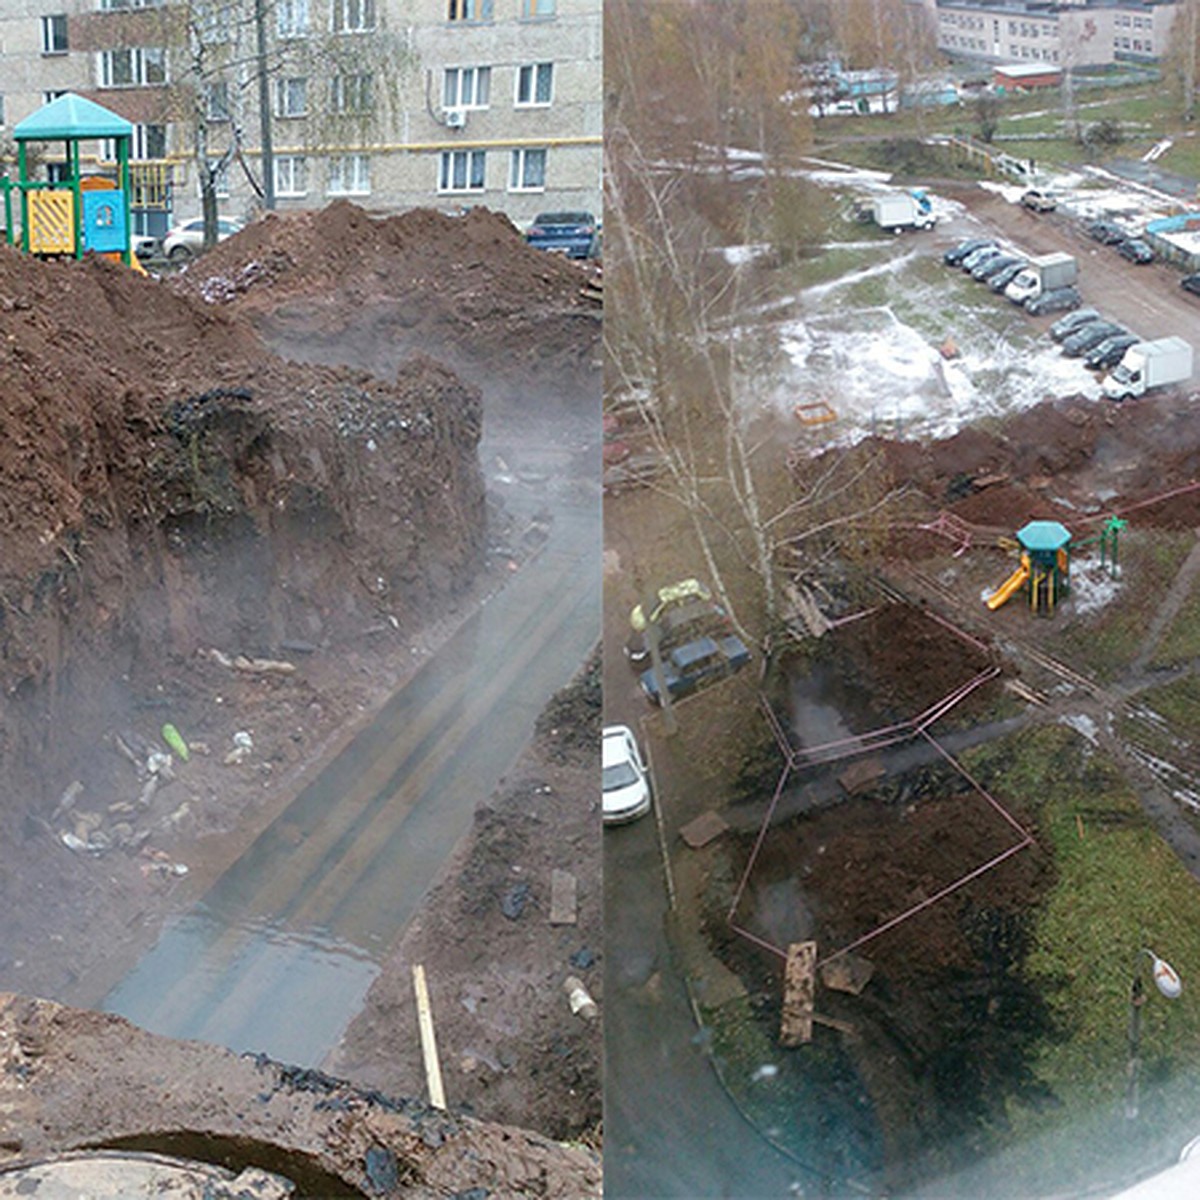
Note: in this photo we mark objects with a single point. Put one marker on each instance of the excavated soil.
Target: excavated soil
(254, 548)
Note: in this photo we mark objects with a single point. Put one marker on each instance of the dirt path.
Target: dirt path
(1173, 600)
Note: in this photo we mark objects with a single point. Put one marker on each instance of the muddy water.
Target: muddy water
(280, 952)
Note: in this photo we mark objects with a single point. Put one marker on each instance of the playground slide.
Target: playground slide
(1010, 585)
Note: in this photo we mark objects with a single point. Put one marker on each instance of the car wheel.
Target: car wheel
(180, 255)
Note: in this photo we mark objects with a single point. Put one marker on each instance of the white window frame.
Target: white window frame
(147, 66)
(214, 22)
(291, 18)
(519, 165)
(349, 175)
(138, 144)
(51, 44)
(352, 16)
(216, 100)
(291, 175)
(352, 100)
(467, 87)
(122, 5)
(284, 96)
(458, 11)
(474, 167)
(529, 76)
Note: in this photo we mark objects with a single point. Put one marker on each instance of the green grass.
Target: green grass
(1181, 641)
(1105, 642)
(1119, 887)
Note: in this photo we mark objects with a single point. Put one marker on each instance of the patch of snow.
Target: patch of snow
(1092, 588)
(1083, 725)
(737, 256)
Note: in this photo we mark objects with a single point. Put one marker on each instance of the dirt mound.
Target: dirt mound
(340, 285)
(327, 1135)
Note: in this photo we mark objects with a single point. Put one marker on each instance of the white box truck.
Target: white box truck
(1044, 274)
(1149, 365)
(895, 211)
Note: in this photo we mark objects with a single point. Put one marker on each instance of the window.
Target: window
(291, 175)
(115, 5)
(132, 66)
(291, 97)
(146, 141)
(291, 18)
(54, 34)
(216, 100)
(538, 8)
(534, 84)
(350, 175)
(528, 173)
(353, 16)
(50, 97)
(214, 22)
(462, 171)
(350, 94)
(467, 87)
(468, 10)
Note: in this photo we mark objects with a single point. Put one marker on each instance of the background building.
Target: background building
(394, 103)
(1074, 33)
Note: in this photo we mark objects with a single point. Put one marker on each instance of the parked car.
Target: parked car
(625, 782)
(694, 663)
(184, 242)
(982, 255)
(681, 622)
(1055, 300)
(1135, 250)
(1073, 321)
(1191, 283)
(954, 256)
(571, 233)
(992, 266)
(1039, 201)
(1002, 278)
(1106, 231)
(1109, 352)
(1089, 337)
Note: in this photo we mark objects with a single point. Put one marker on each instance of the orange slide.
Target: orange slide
(1010, 585)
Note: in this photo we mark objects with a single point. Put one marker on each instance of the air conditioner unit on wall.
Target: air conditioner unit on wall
(456, 118)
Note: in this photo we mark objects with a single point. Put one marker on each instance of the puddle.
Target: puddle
(250, 987)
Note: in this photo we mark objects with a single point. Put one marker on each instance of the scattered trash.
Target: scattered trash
(158, 763)
(582, 959)
(581, 1002)
(512, 903)
(243, 744)
(766, 1071)
(67, 799)
(174, 739)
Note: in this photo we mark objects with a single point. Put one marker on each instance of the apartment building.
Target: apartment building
(393, 103)
(1074, 33)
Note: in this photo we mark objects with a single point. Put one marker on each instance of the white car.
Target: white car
(626, 783)
(185, 241)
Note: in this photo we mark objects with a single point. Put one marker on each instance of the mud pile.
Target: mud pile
(339, 285)
(329, 1137)
(168, 486)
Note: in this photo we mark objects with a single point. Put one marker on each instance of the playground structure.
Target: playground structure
(1045, 565)
(78, 213)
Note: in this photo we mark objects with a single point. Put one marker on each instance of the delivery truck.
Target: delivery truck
(896, 211)
(1044, 274)
(1149, 365)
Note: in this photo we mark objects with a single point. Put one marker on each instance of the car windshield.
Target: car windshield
(619, 775)
(563, 218)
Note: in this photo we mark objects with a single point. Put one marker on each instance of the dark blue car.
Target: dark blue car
(690, 665)
(574, 234)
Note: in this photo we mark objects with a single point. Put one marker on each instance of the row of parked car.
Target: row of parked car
(1109, 233)
(985, 261)
(1085, 334)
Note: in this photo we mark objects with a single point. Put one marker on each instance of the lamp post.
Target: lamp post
(1170, 985)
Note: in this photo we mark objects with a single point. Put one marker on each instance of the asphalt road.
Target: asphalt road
(280, 952)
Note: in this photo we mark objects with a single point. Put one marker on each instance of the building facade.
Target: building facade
(393, 103)
(1074, 33)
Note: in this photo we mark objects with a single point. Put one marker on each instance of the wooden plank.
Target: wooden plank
(703, 829)
(862, 776)
(563, 902)
(799, 988)
(433, 1070)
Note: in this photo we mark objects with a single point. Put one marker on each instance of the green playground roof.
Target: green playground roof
(1043, 535)
(71, 116)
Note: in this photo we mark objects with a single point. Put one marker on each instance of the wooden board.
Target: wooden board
(799, 989)
(861, 776)
(563, 903)
(703, 829)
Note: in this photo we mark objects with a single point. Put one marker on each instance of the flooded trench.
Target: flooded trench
(280, 952)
